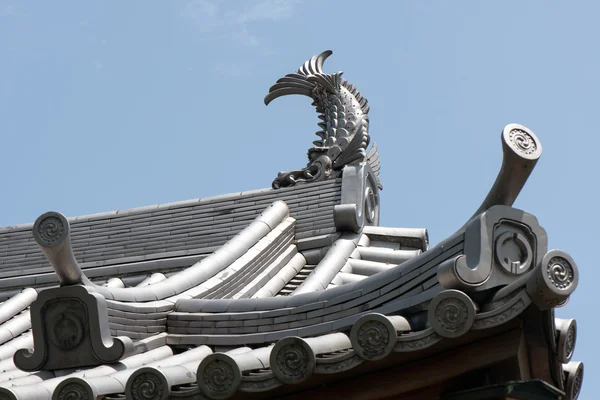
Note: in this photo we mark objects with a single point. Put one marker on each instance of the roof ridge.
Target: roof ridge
(174, 204)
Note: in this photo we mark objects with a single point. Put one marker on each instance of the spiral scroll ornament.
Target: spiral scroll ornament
(523, 141)
(574, 379)
(451, 313)
(373, 336)
(553, 281)
(292, 360)
(370, 205)
(147, 386)
(577, 384)
(560, 272)
(570, 341)
(566, 330)
(218, 376)
(73, 390)
(50, 229)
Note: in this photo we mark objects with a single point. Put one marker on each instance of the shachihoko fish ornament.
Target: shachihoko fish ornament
(343, 111)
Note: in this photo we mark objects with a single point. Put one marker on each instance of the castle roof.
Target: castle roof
(291, 291)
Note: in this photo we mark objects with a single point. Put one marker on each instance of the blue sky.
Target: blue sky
(113, 105)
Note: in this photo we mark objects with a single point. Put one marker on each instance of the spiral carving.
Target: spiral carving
(73, 391)
(523, 141)
(577, 384)
(570, 341)
(370, 205)
(217, 377)
(560, 272)
(292, 360)
(373, 337)
(555, 278)
(50, 229)
(147, 386)
(574, 379)
(451, 313)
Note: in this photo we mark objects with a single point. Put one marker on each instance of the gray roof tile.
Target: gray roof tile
(196, 226)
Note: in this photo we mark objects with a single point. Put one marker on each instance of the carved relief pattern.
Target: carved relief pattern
(218, 376)
(292, 361)
(146, 386)
(65, 323)
(340, 366)
(418, 344)
(370, 205)
(73, 391)
(577, 384)
(523, 141)
(373, 337)
(570, 342)
(51, 229)
(501, 318)
(452, 315)
(518, 263)
(260, 386)
(67, 331)
(560, 272)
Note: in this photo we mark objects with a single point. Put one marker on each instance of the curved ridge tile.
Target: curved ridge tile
(421, 267)
(138, 319)
(16, 304)
(282, 277)
(272, 268)
(252, 262)
(206, 268)
(152, 279)
(7, 350)
(15, 326)
(332, 263)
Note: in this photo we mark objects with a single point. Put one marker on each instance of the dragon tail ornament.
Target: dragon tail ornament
(343, 111)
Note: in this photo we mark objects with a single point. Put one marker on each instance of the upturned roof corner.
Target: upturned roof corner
(292, 291)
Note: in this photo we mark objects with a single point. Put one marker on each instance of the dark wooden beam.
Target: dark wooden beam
(423, 373)
(518, 390)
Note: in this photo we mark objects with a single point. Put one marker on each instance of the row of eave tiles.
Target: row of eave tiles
(266, 269)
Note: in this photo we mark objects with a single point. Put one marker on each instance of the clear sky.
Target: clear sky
(114, 105)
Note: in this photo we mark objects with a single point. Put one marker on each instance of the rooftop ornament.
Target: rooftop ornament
(70, 323)
(408, 297)
(343, 111)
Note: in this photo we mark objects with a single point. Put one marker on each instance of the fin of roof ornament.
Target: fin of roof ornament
(344, 122)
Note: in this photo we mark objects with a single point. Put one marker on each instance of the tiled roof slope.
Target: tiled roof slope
(248, 340)
(189, 228)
